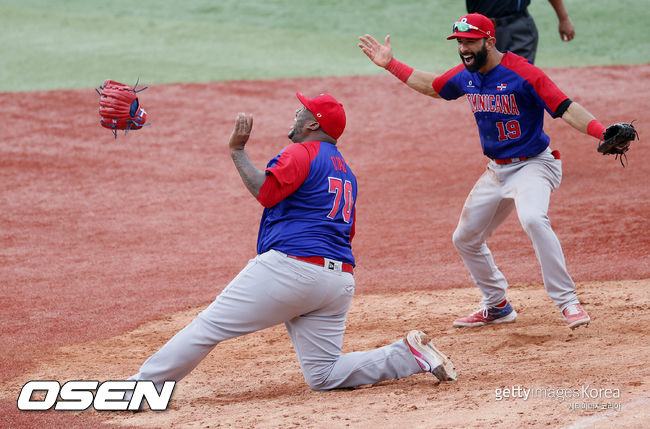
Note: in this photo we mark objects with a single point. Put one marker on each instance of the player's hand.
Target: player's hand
(378, 53)
(241, 132)
(566, 29)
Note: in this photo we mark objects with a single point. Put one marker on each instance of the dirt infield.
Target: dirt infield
(109, 247)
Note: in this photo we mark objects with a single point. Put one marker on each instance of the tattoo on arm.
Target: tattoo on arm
(250, 175)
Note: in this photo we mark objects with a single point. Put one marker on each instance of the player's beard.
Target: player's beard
(480, 58)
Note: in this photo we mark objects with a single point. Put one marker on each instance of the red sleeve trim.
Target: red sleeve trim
(270, 193)
(440, 81)
(287, 174)
(550, 94)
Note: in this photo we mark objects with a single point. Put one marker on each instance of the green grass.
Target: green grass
(46, 44)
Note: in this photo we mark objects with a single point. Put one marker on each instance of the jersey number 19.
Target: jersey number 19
(509, 130)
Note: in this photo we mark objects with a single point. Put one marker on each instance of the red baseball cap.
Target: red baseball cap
(473, 26)
(328, 112)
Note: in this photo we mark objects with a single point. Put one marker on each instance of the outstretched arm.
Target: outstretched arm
(580, 119)
(382, 55)
(565, 25)
(250, 175)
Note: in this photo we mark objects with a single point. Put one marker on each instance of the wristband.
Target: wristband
(399, 69)
(595, 129)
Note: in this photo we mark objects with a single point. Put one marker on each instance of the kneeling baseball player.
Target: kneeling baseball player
(302, 274)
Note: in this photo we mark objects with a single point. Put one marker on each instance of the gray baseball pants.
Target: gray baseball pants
(312, 301)
(526, 186)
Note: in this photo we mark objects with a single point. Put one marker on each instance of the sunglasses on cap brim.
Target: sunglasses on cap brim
(462, 27)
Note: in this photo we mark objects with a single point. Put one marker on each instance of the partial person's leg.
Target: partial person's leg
(484, 210)
(522, 35)
(317, 337)
(248, 304)
(532, 187)
(503, 36)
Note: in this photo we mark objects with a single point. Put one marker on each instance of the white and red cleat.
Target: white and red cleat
(429, 357)
(575, 316)
(504, 313)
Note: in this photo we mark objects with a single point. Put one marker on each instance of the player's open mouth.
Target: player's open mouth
(468, 60)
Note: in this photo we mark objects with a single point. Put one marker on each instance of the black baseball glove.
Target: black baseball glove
(616, 140)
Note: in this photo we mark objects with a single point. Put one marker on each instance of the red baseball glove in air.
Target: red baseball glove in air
(119, 107)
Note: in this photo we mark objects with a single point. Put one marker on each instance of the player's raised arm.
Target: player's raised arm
(252, 177)
(382, 55)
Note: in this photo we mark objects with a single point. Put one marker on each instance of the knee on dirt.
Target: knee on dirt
(317, 377)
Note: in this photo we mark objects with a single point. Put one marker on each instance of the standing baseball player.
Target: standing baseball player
(302, 275)
(508, 96)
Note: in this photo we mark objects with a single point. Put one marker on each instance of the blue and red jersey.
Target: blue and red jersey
(508, 104)
(309, 198)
